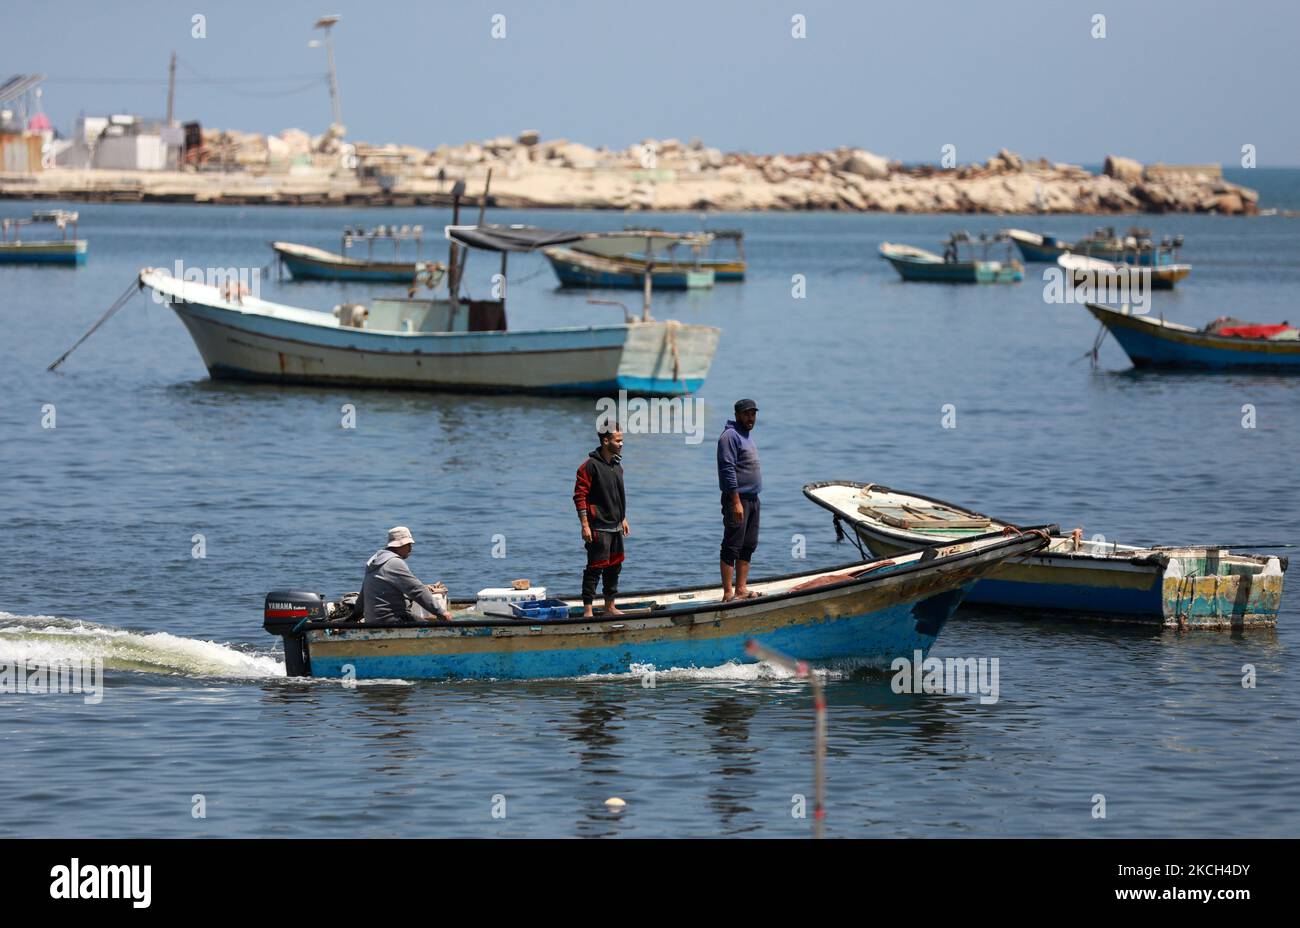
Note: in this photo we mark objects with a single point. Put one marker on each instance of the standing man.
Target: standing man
(602, 510)
(741, 481)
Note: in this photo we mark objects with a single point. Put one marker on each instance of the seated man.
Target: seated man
(389, 584)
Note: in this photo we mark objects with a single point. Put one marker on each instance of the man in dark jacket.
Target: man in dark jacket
(390, 586)
(602, 510)
(740, 480)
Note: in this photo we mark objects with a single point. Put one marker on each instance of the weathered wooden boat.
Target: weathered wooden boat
(1086, 271)
(629, 246)
(451, 343)
(578, 265)
(1191, 586)
(1136, 247)
(954, 267)
(67, 250)
(860, 615)
(1156, 343)
(307, 263)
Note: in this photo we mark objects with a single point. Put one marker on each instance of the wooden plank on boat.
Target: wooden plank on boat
(923, 517)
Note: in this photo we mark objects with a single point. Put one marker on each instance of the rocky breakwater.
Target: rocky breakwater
(671, 175)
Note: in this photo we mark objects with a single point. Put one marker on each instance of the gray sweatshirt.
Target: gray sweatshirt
(388, 585)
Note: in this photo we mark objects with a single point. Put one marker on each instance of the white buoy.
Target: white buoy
(615, 803)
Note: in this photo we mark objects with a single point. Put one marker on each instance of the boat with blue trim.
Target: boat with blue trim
(959, 264)
(1137, 247)
(1157, 343)
(305, 262)
(67, 250)
(859, 615)
(451, 343)
(1199, 586)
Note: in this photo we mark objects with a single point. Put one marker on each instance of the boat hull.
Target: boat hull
(577, 273)
(866, 622)
(963, 272)
(67, 253)
(1118, 590)
(1152, 345)
(304, 268)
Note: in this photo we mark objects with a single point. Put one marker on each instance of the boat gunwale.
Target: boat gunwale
(329, 322)
(1033, 542)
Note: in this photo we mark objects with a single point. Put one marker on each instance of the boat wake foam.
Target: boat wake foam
(728, 672)
(51, 639)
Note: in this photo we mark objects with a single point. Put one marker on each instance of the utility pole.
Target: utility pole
(326, 23)
(171, 90)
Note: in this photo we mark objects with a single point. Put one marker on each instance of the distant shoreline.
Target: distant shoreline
(654, 176)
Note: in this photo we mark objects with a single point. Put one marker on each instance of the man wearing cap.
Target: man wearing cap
(389, 584)
(741, 481)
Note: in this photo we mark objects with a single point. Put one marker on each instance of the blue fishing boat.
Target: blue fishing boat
(1178, 586)
(1137, 247)
(305, 262)
(1156, 343)
(959, 263)
(860, 615)
(66, 250)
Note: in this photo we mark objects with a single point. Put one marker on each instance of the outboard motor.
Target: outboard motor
(286, 612)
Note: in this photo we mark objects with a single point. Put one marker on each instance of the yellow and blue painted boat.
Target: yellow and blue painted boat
(1156, 343)
(67, 250)
(1196, 586)
(860, 615)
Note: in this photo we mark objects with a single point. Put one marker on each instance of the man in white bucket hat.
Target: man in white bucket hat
(390, 587)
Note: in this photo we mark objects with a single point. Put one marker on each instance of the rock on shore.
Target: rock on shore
(655, 174)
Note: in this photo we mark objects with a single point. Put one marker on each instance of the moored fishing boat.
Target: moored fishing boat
(1192, 586)
(451, 343)
(1135, 247)
(860, 615)
(1156, 343)
(954, 267)
(305, 262)
(1087, 271)
(601, 260)
(629, 246)
(67, 250)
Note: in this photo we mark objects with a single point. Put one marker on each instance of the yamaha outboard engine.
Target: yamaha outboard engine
(287, 611)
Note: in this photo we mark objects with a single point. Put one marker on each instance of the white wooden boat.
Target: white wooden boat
(448, 343)
(1199, 586)
(1087, 271)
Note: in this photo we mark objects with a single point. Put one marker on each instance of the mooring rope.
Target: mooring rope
(117, 304)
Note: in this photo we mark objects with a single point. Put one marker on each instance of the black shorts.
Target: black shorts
(739, 539)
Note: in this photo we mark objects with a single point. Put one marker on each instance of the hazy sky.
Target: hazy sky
(1182, 81)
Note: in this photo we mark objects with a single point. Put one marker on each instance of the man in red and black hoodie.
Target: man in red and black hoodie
(602, 510)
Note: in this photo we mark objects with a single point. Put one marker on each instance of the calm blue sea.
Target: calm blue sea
(99, 516)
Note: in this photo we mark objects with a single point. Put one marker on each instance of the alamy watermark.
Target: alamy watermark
(234, 283)
(660, 415)
(1124, 284)
(950, 676)
(84, 677)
